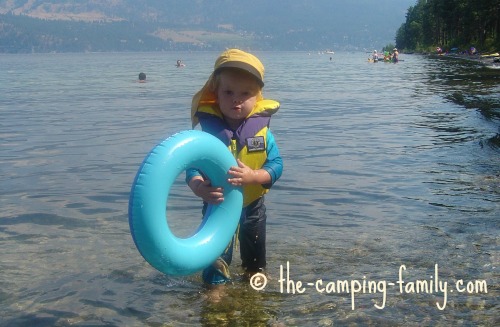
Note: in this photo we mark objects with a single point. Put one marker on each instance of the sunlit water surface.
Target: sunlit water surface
(390, 169)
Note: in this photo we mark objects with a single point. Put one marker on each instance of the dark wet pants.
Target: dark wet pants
(252, 241)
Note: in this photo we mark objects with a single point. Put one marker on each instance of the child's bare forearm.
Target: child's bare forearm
(244, 175)
(203, 189)
(261, 176)
(194, 184)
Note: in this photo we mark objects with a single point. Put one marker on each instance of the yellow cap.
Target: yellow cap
(232, 58)
(235, 58)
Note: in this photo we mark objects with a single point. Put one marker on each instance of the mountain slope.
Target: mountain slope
(159, 24)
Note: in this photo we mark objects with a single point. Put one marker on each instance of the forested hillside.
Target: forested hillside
(450, 24)
(158, 25)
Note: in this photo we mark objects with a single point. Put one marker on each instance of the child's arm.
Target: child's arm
(267, 175)
(202, 187)
(243, 175)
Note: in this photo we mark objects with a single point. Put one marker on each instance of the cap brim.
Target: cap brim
(243, 66)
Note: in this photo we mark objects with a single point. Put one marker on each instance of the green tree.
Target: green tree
(451, 23)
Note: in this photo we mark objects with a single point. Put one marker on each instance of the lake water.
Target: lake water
(391, 184)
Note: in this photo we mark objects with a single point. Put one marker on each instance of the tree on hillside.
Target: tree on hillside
(451, 23)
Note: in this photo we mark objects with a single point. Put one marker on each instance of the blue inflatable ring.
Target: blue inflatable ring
(149, 195)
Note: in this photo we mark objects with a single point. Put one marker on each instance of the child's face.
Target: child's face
(236, 95)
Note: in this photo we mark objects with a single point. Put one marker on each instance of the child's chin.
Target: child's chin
(237, 117)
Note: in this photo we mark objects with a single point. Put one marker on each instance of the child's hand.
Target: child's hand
(241, 175)
(204, 189)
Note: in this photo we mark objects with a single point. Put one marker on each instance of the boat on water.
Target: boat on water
(491, 55)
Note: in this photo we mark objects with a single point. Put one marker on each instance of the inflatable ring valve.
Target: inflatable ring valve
(148, 217)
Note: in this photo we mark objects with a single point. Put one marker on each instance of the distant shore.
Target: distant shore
(489, 59)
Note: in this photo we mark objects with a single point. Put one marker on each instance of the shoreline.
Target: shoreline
(489, 60)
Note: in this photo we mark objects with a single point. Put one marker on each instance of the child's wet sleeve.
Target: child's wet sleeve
(274, 162)
(190, 173)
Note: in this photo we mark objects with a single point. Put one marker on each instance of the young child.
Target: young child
(231, 107)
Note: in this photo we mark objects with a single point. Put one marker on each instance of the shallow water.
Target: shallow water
(387, 166)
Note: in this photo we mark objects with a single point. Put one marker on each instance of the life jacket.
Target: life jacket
(247, 143)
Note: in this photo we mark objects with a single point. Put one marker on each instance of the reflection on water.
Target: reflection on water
(385, 165)
(472, 86)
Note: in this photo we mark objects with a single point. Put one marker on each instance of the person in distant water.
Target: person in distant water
(387, 56)
(375, 56)
(231, 107)
(142, 78)
(395, 55)
(179, 63)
